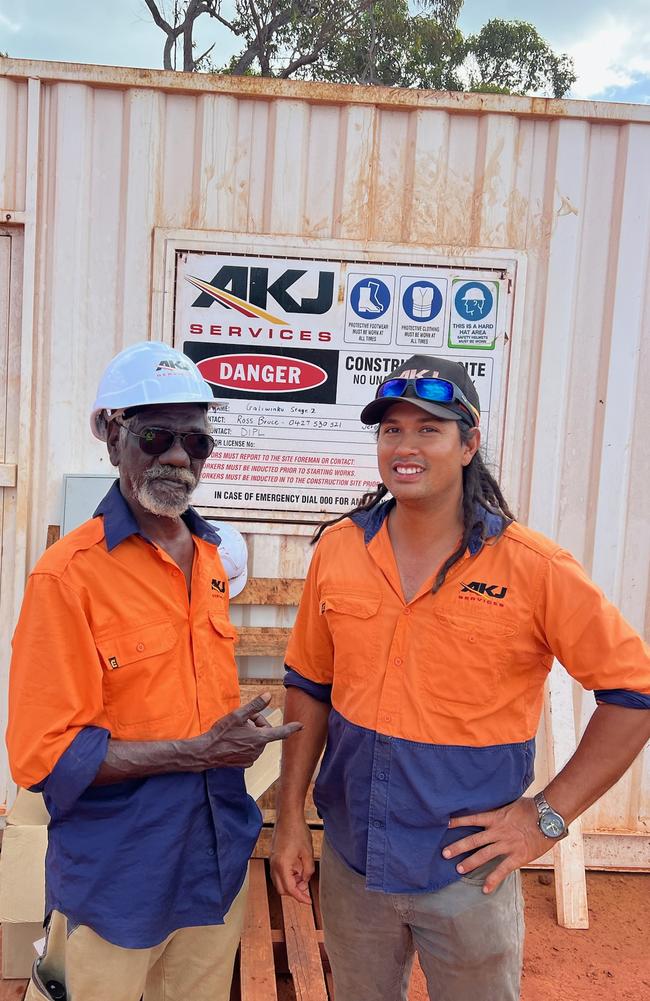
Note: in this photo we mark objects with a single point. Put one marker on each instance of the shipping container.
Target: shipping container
(119, 188)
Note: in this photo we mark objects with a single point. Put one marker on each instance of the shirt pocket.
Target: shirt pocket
(221, 664)
(469, 662)
(222, 625)
(352, 622)
(143, 680)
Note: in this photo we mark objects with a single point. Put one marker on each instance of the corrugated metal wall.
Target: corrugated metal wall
(122, 153)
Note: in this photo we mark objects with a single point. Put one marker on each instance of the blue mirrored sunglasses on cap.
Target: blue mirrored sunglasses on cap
(433, 390)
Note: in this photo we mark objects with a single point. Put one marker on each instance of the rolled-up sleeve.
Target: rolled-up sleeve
(292, 679)
(74, 771)
(57, 732)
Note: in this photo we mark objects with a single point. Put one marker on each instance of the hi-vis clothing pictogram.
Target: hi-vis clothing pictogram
(435, 703)
(110, 645)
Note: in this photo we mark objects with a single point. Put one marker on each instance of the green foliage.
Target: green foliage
(514, 58)
(388, 45)
(371, 42)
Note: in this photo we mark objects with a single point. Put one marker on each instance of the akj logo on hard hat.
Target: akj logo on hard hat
(168, 366)
(261, 373)
(473, 301)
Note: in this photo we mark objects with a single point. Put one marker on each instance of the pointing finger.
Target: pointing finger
(253, 708)
(281, 732)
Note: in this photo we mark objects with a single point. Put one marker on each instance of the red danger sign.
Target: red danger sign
(255, 373)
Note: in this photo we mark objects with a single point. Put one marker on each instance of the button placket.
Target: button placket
(390, 700)
(377, 812)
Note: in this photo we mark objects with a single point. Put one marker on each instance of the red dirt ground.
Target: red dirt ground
(608, 962)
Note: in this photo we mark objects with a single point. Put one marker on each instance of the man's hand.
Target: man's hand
(292, 859)
(238, 739)
(511, 831)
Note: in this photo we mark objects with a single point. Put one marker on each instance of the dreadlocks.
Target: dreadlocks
(480, 491)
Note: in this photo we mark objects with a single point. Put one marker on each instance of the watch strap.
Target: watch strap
(542, 808)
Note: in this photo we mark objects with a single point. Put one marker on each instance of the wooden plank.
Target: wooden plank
(270, 591)
(318, 918)
(262, 641)
(568, 855)
(303, 952)
(53, 535)
(257, 968)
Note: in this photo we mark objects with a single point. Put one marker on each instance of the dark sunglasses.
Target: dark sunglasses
(156, 441)
(434, 390)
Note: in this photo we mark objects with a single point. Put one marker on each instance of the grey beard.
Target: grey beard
(161, 498)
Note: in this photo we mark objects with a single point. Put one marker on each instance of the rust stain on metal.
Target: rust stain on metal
(265, 88)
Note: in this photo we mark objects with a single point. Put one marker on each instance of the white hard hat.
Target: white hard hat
(474, 294)
(142, 375)
(234, 556)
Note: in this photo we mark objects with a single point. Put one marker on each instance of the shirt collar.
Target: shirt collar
(371, 519)
(486, 525)
(120, 523)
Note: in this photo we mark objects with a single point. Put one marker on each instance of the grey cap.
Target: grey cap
(427, 367)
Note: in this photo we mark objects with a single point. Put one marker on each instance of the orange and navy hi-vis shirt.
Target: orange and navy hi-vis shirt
(436, 702)
(110, 645)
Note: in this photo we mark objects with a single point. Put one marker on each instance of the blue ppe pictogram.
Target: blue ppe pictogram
(370, 298)
(473, 301)
(422, 301)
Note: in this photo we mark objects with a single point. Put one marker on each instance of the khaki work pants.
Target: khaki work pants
(469, 944)
(191, 963)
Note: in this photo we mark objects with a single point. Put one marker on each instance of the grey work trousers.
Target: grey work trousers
(469, 943)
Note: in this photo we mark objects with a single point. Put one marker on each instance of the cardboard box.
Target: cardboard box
(22, 883)
(18, 952)
(28, 809)
(22, 874)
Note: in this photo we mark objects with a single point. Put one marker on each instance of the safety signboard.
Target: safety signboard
(422, 303)
(293, 349)
(474, 314)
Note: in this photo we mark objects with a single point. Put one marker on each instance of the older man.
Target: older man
(124, 712)
(427, 628)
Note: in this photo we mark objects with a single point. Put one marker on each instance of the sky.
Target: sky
(610, 44)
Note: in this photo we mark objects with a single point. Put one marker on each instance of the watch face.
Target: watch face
(551, 824)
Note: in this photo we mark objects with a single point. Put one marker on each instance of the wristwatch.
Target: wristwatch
(551, 824)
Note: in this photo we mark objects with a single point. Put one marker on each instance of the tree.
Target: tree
(183, 20)
(280, 36)
(388, 45)
(512, 57)
(369, 42)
